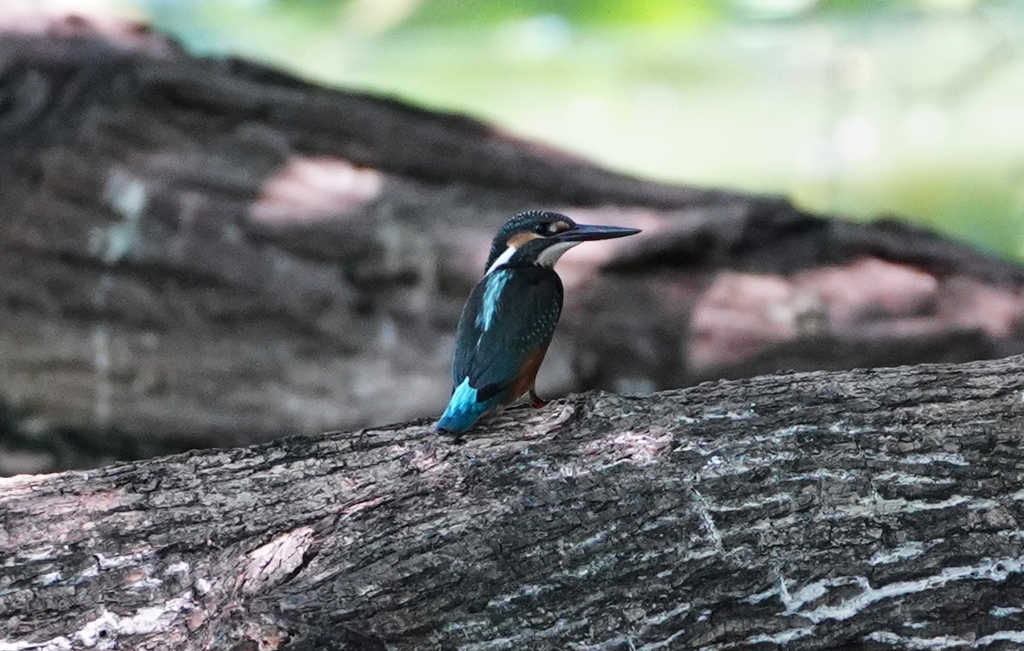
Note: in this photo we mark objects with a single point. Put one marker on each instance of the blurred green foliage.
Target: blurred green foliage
(858, 107)
(584, 13)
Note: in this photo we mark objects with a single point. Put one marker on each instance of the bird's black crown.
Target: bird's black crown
(540, 222)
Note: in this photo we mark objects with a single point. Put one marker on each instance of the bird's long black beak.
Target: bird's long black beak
(584, 233)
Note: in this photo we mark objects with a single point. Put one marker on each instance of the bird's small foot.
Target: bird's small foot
(536, 401)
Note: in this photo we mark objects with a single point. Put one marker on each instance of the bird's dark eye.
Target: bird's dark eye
(542, 229)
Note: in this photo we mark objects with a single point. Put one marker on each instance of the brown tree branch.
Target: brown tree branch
(866, 509)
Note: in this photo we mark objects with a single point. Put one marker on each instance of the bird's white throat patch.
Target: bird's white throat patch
(549, 256)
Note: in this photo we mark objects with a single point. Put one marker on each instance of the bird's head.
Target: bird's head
(539, 238)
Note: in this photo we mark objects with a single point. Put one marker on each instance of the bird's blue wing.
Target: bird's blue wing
(509, 316)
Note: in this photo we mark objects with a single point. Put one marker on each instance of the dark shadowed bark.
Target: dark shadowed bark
(861, 509)
(202, 252)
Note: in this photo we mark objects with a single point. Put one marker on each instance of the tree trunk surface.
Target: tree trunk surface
(867, 509)
(199, 252)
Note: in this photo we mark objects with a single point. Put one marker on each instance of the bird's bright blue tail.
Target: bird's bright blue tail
(463, 409)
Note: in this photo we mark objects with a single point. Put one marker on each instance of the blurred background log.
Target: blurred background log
(201, 252)
(873, 509)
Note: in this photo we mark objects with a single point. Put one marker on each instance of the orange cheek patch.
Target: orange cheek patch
(520, 239)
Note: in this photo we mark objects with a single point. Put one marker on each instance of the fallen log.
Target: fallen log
(204, 252)
(867, 509)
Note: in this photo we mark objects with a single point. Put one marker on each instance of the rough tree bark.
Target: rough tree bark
(867, 509)
(202, 252)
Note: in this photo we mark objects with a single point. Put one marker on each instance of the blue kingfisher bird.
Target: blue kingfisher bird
(511, 314)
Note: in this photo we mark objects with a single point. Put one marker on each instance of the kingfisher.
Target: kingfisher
(511, 314)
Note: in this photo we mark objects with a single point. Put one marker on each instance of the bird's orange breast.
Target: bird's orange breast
(527, 375)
